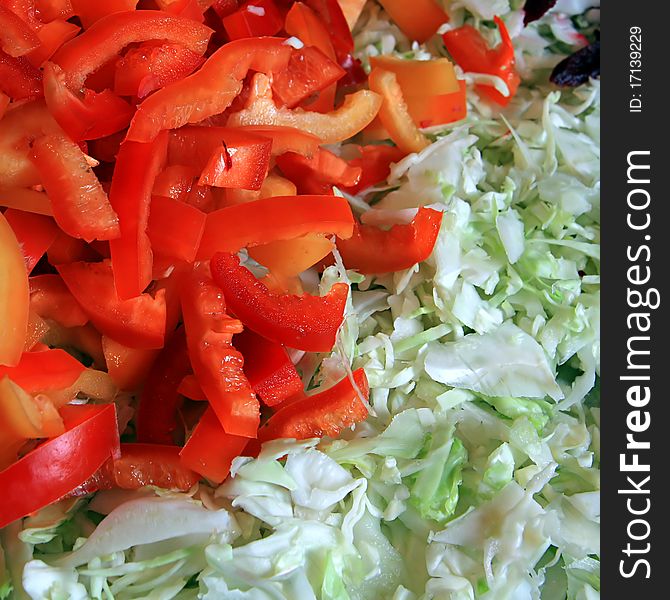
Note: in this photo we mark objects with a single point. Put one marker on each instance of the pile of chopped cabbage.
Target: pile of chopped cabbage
(477, 474)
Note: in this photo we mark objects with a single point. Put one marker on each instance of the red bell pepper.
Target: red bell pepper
(18, 78)
(90, 12)
(373, 250)
(324, 414)
(137, 166)
(223, 8)
(289, 258)
(268, 368)
(470, 50)
(108, 36)
(36, 330)
(52, 36)
(210, 450)
(55, 468)
(138, 322)
(215, 362)
(45, 370)
(16, 36)
(190, 9)
(80, 206)
(277, 218)
(308, 71)
(50, 10)
(26, 200)
(153, 65)
(92, 116)
(318, 175)
(305, 322)
(14, 300)
(175, 228)
(35, 234)
(375, 163)
(286, 139)
(160, 400)
(210, 90)
(67, 249)
(330, 13)
(419, 20)
(254, 18)
(190, 388)
(50, 299)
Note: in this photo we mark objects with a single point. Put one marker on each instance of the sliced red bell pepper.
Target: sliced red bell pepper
(16, 36)
(58, 466)
(224, 7)
(175, 228)
(318, 175)
(305, 322)
(210, 90)
(138, 322)
(190, 388)
(160, 400)
(128, 367)
(277, 218)
(190, 9)
(355, 114)
(50, 10)
(330, 13)
(92, 116)
(268, 368)
(18, 78)
(308, 71)
(14, 300)
(289, 258)
(375, 163)
(35, 233)
(52, 36)
(243, 165)
(26, 200)
(210, 450)
(50, 299)
(4, 103)
(137, 166)
(45, 370)
(324, 414)
(175, 181)
(470, 50)
(153, 65)
(286, 139)
(254, 18)
(80, 206)
(215, 362)
(419, 20)
(66, 249)
(108, 36)
(90, 12)
(36, 330)
(373, 250)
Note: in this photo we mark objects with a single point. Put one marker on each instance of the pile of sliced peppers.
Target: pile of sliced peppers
(142, 147)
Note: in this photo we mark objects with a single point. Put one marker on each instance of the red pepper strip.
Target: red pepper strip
(470, 50)
(18, 78)
(419, 20)
(36, 330)
(107, 37)
(89, 12)
(243, 165)
(190, 388)
(42, 371)
(137, 323)
(324, 414)
(137, 166)
(253, 19)
(308, 71)
(189, 9)
(52, 36)
(179, 182)
(50, 299)
(160, 400)
(223, 8)
(304, 322)
(175, 228)
(80, 206)
(50, 10)
(92, 116)
(26, 200)
(58, 466)
(67, 249)
(285, 139)
(16, 37)
(375, 163)
(35, 234)
(276, 218)
(268, 368)
(330, 13)
(210, 450)
(320, 173)
(373, 250)
(153, 65)
(210, 90)
(216, 364)
(4, 103)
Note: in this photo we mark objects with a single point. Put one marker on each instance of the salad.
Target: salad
(299, 300)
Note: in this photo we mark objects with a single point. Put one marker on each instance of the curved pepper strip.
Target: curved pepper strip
(16, 37)
(210, 90)
(318, 174)
(276, 218)
(18, 78)
(324, 414)
(52, 36)
(55, 468)
(373, 250)
(45, 370)
(304, 322)
(216, 363)
(107, 37)
(35, 233)
(50, 299)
